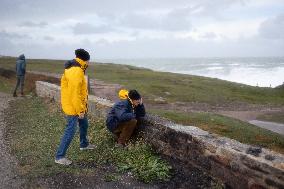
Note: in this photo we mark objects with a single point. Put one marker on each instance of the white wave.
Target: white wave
(263, 72)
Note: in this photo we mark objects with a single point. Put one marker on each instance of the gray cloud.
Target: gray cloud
(209, 35)
(33, 24)
(142, 48)
(6, 47)
(273, 28)
(86, 28)
(117, 13)
(10, 35)
(132, 20)
(48, 38)
(214, 8)
(177, 19)
(54, 9)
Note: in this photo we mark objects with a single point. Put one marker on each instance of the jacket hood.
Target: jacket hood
(83, 63)
(21, 57)
(71, 63)
(75, 63)
(123, 94)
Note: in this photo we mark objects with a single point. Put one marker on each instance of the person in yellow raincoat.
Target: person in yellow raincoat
(74, 101)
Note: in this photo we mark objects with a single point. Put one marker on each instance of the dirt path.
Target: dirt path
(8, 175)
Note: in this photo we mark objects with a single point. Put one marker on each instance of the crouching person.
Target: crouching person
(123, 117)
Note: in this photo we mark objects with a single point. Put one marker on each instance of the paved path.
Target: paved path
(8, 177)
(275, 127)
(251, 117)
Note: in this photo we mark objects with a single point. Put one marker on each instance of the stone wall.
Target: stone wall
(97, 87)
(237, 165)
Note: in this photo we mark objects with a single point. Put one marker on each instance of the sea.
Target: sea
(254, 71)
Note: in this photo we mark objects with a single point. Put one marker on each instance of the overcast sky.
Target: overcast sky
(142, 28)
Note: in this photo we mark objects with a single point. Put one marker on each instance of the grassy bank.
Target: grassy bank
(34, 131)
(228, 127)
(172, 87)
(8, 81)
(6, 85)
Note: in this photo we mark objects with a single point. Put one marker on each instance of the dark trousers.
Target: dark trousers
(20, 82)
(125, 130)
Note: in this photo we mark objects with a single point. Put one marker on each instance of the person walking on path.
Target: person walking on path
(74, 101)
(20, 71)
(123, 117)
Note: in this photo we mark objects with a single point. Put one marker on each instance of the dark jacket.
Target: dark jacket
(21, 65)
(122, 111)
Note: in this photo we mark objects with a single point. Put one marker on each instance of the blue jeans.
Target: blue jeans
(69, 133)
(20, 82)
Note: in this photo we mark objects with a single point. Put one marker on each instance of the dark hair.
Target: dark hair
(82, 54)
(134, 95)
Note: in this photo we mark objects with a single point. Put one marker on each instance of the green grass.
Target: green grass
(172, 87)
(228, 127)
(6, 85)
(35, 129)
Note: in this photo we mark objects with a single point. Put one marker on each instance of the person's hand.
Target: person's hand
(81, 116)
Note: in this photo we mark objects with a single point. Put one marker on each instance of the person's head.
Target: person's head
(82, 54)
(135, 97)
(22, 57)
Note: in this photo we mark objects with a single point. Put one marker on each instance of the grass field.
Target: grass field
(6, 85)
(172, 87)
(34, 131)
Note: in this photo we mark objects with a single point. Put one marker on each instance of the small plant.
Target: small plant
(111, 177)
(139, 158)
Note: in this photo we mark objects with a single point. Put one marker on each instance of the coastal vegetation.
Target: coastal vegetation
(228, 127)
(183, 89)
(34, 128)
(170, 86)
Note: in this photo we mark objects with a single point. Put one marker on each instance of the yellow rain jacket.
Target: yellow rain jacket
(74, 91)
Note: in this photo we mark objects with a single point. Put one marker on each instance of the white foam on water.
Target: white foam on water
(262, 72)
